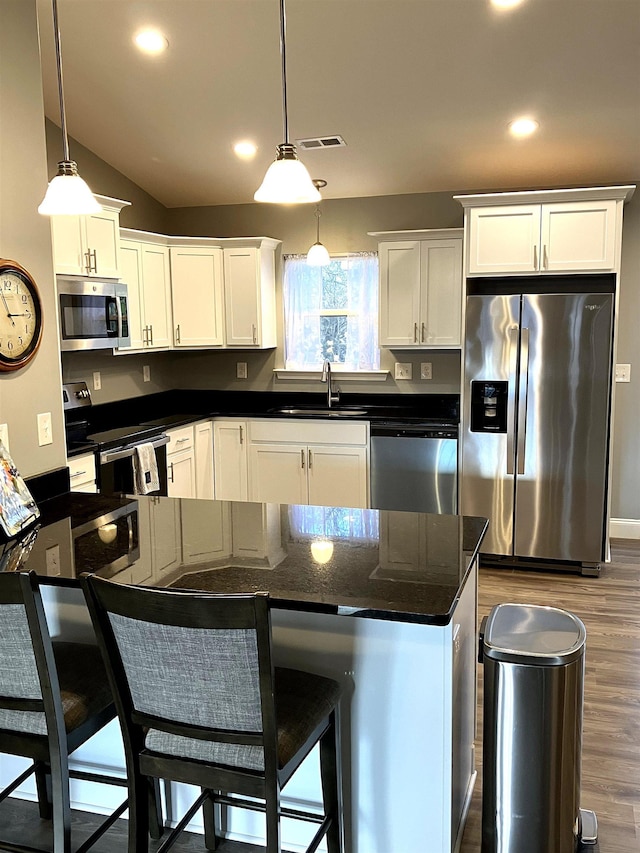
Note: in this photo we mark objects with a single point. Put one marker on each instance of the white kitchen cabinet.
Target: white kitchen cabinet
(158, 523)
(89, 245)
(146, 271)
(197, 296)
(310, 462)
(420, 288)
(541, 232)
(181, 462)
(249, 295)
(203, 444)
(206, 531)
(230, 460)
(82, 473)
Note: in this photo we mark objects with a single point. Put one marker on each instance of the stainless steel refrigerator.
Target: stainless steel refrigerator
(537, 399)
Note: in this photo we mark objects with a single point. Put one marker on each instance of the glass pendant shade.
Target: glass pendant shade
(68, 194)
(287, 180)
(318, 256)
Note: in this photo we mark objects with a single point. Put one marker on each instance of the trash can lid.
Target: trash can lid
(533, 635)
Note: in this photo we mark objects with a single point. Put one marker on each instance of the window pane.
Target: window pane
(333, 338)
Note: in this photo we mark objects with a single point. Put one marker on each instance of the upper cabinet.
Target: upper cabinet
(146, 271)
(89, 245)
(249, 294)
(420, 288)
(196, 292)
(542, 232)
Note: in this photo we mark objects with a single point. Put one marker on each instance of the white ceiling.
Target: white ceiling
(421, 91)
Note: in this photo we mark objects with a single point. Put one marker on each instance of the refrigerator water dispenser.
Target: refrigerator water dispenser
(489, 406)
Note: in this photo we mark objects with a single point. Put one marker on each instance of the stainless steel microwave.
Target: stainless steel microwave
(94, 314)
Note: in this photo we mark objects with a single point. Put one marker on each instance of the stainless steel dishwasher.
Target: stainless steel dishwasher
(414, 467)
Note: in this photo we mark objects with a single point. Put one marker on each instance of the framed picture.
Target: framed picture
(17, 507)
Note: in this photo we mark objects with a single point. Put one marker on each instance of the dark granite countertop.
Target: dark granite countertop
(368, 563)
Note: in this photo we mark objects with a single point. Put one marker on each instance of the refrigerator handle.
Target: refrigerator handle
(512, 336)
(522, 398)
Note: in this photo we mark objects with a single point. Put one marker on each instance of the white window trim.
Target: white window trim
(336, 374)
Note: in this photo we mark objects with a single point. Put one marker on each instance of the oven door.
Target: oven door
(115, 471)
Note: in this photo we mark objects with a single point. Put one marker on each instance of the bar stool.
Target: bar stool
(53, 697)
(201, 703)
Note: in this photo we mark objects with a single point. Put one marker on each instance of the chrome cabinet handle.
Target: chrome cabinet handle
(254, 332)
(423, 333)
(545, 257)
(415, 333)
(535, 257)
(170, 472)
(302, 458)
(95, 260)
(178, 333)
(310, 459)
(151, 333)
(181, 440)
(241, 435)
(78, 474)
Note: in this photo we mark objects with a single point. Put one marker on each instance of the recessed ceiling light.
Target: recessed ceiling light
(151, 42)
(245, 150)
(523, 127)
(505, 4)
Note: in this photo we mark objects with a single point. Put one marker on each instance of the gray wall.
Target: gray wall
(25, 236)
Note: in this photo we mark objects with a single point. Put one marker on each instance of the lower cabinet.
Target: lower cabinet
(82, 473)
(158, 523)
(190, 461)
(310, 462)
(230, 460)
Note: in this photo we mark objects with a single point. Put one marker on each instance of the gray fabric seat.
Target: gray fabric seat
(200, 702)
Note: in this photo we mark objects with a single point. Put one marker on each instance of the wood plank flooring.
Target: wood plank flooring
(610, 608)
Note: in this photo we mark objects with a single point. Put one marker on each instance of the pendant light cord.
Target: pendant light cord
(283, 55)
(63, 120)
(318, 215)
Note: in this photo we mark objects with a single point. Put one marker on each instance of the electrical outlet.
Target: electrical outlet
(4, 436)
(45, 435)
(426, 370)
(97, 380)
(146, 373)
(52, 557)
(404, 370)
(241, 370)
(623, 373)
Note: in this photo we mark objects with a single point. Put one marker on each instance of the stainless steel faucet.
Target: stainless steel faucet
(333, 395)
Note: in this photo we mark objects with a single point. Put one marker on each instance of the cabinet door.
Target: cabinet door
(156, 283)
(242, 297)
(181, 474)
(504, 239)
(230, 460)
(278, 473)
(166, 536)
(441, 302)
(131, 269)
(337, 476)
(399, 293)
(82, 473)
(68, 250)
(206, 530)
(103, 242)
(579, 236)
(196, 289)
(204, 459)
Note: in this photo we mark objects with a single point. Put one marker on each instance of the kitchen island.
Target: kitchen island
(383, 601)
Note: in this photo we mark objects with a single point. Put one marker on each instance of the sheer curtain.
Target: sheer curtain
(336, 301)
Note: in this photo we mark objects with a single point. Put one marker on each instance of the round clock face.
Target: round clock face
(20, 316)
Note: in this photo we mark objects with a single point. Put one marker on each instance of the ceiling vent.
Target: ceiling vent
(321, 142)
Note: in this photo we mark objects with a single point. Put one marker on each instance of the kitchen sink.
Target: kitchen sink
(326, 412)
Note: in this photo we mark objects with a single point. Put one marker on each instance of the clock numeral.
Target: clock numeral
(9, 345)
(7, 284)
(28, 314)
(25, 298)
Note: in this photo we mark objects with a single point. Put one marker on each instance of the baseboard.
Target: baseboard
(624, 528)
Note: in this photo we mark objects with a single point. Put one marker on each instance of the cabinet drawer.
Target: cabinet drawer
(82, 470)
(308, 432)
(180, 439)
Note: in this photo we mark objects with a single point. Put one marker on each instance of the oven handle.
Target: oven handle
(124, 452)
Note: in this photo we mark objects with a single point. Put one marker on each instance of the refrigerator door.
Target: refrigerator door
(488, 453)
(563, 414)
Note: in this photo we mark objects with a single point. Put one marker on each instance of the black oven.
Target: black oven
(115, 467)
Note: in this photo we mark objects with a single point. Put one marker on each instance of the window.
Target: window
(331, 313)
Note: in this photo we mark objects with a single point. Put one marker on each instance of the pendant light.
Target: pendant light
(287, 180)
(318, 256)
(67, 193)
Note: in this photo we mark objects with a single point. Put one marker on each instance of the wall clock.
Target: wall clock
(20, 316)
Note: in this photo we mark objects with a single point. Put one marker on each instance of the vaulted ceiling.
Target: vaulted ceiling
(420, 90)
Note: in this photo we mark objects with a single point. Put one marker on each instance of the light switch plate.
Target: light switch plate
(45, 435)
(426, 370)
(404, 370)
(241, 370)
(623, 373)
(97, 380)
(146, 373)
(52, 557)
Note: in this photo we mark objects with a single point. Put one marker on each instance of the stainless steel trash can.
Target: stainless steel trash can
(533, 701)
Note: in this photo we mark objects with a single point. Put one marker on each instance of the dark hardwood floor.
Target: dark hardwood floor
(610, 608)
